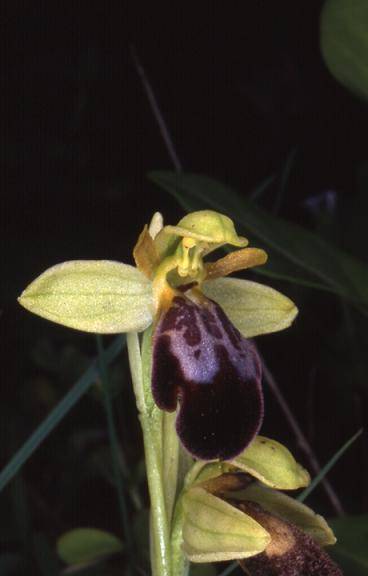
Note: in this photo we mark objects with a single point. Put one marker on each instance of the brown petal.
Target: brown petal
(145, 254)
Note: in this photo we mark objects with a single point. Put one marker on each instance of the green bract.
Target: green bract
(216, 531)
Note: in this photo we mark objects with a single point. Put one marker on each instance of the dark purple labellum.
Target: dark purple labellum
(201, 360)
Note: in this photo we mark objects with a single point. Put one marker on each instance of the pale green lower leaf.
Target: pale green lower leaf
(272, 464)
(291, 510)
(92, 295)
(252, 307)
(85, 545)
(214, 530)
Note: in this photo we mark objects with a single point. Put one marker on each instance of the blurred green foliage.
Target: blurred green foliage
(344, 43)
(351, 550)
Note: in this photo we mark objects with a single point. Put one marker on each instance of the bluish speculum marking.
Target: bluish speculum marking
(201, 360)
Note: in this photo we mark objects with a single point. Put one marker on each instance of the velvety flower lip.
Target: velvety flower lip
(201, 360)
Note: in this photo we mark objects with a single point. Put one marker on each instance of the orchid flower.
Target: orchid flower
(236, 511)
(202, 357)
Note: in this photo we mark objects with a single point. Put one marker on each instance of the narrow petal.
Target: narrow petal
(235, 261)
(92, 295)
(290, 552)
(253, 308)
(200, 359)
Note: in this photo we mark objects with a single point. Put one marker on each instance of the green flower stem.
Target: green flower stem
(170, 456)
(151, 422)
(179, 564)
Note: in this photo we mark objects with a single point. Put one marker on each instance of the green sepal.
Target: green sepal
(272, 464)
(207, 227)
(215, 531)
(291, 510)
(253, 308)
(92, 295)
(87, 545)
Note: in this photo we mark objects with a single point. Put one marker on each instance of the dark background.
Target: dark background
(243, 88)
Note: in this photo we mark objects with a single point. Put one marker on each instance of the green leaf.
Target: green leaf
(253, 308)
(344, 43)
(215, 531)
(321, 263)
(92, 295)
(351, 550)
(272, 464)
(291, 510)
(85, 545)
(56, 415)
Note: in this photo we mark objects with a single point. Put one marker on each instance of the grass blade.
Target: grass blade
(229, 569)
(328, 467)
(114, 444)
(57, 414)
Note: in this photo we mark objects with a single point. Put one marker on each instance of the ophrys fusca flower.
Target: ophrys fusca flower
(203, 363)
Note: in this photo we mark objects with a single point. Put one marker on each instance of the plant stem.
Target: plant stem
(151, 421)
(170, 460)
